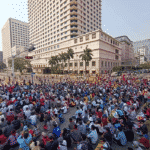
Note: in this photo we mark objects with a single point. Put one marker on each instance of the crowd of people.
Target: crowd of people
(107, 111)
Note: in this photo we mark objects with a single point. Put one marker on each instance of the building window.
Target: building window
(75, 64)
(116, 51)
(70, 64)
(87, 63)
(65, 64)
(102, 64)
(116, 57)
(106, 64)
(93, 35)
(75, 40)
(81, 63)
(93, 63)
(57, 46)
(81, 39)
(87, 37)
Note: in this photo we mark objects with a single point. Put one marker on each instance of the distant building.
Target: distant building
(1, 56)
(139, 44)
(143, 54)
(14, 33)
(127, 55)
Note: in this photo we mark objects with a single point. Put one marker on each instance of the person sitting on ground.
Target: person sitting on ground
(51, 144)
(82, 127)
(83, 144)
(35, 145)
(24, 140)
(45, 138)
(129, 134)
(93, 135)
(33, 118)
(12, 139)
(16, 123)
(66, 136)
(3, 140)
(120, 138)
(108, 136)
(76, 135)
(72, 104)
(71, 124)
(8, 129)
(62, 145)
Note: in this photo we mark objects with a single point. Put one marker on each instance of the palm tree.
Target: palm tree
(53, 61)
(70, 54)
(86, 56)
(63, 59)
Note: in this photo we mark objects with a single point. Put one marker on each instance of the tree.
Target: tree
(2, 66)
(69, 55)
(86, 56)
(63, 58)
(53, 61)
(145, 65)
(20, 64)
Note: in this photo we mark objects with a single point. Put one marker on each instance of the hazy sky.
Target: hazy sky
(119, 17)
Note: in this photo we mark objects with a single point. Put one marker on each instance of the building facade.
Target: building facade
(138, 44)
(105, 49)
(55, 21)
(143, 54)
(1, 56)
(14, 33)
(127, 55)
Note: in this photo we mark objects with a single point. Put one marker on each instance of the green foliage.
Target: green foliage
(20, 64)
(145, 65)
(69, 55)
(118, 68)
(2, 66)
(86, 56)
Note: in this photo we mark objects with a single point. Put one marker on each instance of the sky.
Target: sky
(119, 17)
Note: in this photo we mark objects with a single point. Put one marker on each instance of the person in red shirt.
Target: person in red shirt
(10, 115)
(99, 113)
(3, 140)
(104, 121)
(145, 142)
(45, 138)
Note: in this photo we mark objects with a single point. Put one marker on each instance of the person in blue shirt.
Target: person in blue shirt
(24, 141)
(120, 138)
(117, 124)
(120, 112)
(93, 135)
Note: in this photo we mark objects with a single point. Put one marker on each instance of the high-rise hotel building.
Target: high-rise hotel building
(56, 25)
(54, 21)
(15, 33)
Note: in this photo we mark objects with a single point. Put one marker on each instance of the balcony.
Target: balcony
(74, 33)
(73, 5)
(73, 27)
(73, 10)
